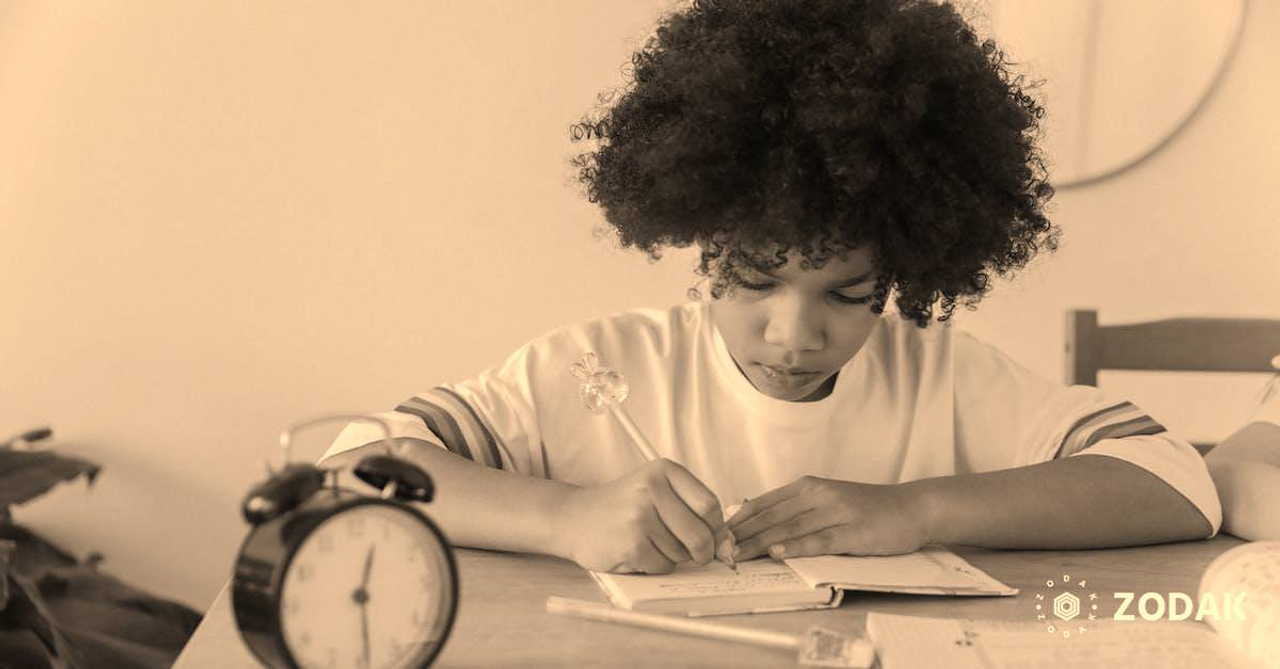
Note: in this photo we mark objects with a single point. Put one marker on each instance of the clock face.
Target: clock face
(370, 587)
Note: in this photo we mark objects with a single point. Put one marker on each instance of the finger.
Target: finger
(804, 524)
(688, 528)
(778, 513)
(822, 542)
(684, 522)
(663, 539)
(650, 560)
(753, 506)
(726, 544)
(696, 495)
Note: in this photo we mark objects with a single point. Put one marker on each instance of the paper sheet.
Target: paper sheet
(907, 642)
(932, 570)
(713, 580)
(1252, 569)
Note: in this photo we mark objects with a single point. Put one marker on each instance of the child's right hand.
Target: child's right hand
(649, 520)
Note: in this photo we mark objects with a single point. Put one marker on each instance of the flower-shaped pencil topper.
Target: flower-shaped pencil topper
(601, 386)
(603, 390)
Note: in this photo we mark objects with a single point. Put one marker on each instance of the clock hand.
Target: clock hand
(368, 566)
(361, 597)
(364, 632)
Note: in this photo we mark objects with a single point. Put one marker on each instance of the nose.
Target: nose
(795, 326)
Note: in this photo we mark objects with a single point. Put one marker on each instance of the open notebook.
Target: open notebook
(904, 642)
(764, 585)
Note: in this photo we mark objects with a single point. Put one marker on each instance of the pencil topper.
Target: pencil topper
(601, 386)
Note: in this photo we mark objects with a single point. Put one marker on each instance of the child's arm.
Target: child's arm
(1042, 466)
(1079, 502)
(1246, 469)
(649, 520)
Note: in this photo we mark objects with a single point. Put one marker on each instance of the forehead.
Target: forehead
(854, 262)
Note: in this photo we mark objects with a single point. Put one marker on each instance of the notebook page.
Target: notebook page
(932, 569)
(690, 580)
(905, 642)
(1254, 571)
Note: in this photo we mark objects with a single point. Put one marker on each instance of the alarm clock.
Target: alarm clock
(329, 577)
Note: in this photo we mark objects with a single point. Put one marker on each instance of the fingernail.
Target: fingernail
(777, 550)
(737, 552)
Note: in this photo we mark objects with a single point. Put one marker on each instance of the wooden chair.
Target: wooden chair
(1175, 345)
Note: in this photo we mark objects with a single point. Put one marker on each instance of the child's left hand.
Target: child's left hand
(817, 516)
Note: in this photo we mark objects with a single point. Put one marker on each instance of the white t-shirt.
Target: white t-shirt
(913, 403)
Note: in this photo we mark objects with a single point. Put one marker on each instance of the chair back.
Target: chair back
(1174, 344)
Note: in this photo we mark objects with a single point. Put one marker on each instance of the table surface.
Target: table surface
(502, 621)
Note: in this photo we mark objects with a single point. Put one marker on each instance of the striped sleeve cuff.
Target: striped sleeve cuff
(457, 425)
(1114, 422)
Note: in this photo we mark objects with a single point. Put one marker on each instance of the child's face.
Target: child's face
(790, 330)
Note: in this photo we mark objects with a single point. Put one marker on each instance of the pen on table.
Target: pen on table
(817, 647)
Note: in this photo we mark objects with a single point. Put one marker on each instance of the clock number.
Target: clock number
(324, 543)
(355, 527)
(304, 571)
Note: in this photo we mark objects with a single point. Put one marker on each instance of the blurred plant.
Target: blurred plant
(56, 611)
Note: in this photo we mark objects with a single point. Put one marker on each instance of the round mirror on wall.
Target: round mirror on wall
(1121, 77)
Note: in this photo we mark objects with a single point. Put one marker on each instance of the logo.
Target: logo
(1181, 606)
(1066, 607)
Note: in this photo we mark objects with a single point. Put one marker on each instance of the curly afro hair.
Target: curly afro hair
(757, 127)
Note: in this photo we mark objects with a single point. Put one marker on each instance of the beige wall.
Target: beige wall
(220, 218)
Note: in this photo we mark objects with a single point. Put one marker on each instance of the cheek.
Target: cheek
(737, 322)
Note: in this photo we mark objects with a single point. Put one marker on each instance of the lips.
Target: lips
(788, 378)
(789, 370)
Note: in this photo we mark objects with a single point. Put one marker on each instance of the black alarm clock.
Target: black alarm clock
(329, 577)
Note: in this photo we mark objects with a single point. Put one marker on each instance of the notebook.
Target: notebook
(908, 641)
(764, 585)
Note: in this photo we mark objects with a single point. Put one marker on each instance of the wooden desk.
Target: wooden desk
(501, 620)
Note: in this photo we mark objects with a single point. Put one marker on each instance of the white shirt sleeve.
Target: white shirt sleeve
(489, 419)
(1009, 417)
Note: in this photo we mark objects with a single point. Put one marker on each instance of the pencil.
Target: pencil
(724, 551)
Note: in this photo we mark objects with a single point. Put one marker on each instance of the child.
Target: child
(829, 158)
(1246, 469)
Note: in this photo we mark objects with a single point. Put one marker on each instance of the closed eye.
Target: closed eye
(839, 297)
(846, 299)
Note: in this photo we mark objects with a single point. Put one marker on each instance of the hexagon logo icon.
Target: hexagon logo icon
(1066, 606)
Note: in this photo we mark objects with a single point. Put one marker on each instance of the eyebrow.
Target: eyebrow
(852, 281)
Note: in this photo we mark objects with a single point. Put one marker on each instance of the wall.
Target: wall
(220, 219)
